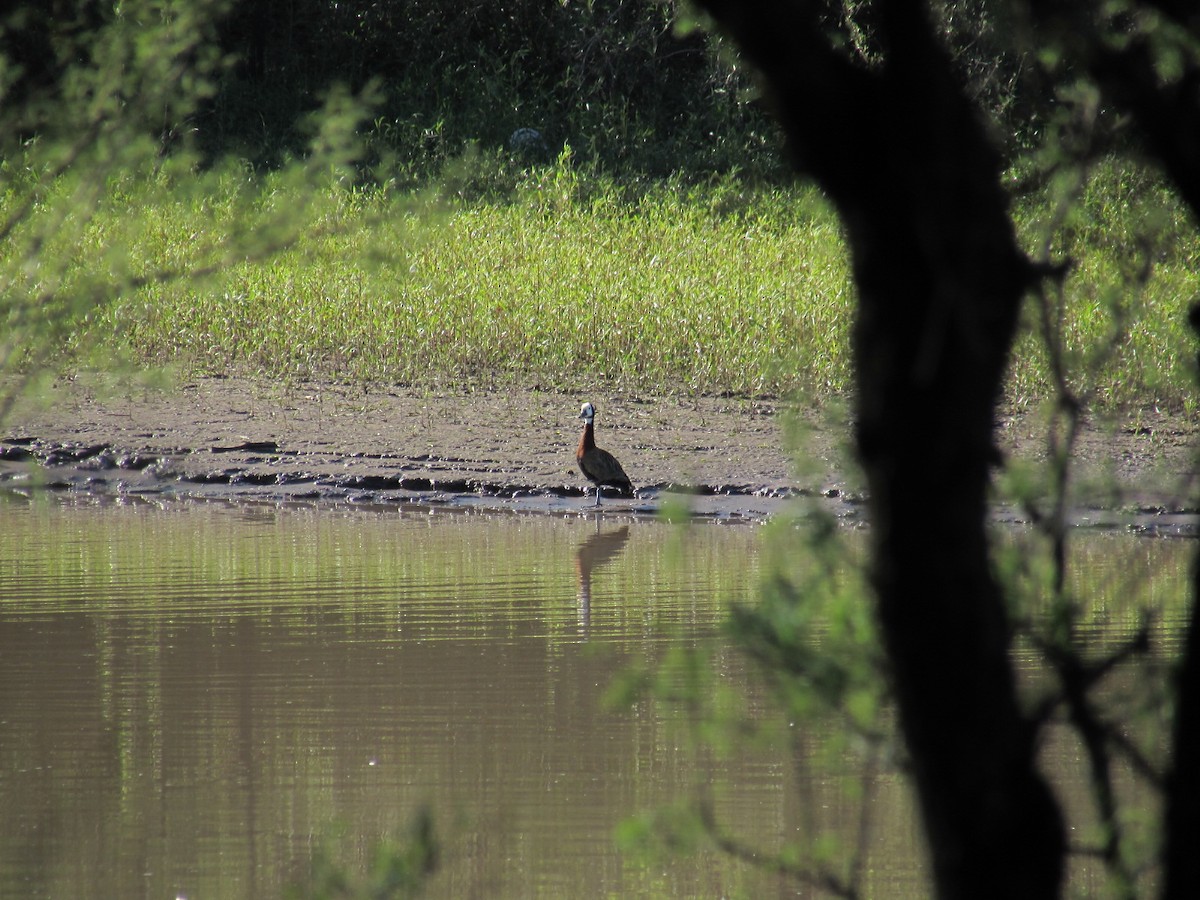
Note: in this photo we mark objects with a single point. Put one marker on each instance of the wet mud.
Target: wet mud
(728, 459)
(266, 471)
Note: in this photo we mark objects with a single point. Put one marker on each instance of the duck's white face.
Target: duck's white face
(587, 412)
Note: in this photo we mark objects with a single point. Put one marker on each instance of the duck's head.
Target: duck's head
(587, 412)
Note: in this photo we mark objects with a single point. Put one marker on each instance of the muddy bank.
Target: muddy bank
(726, 458)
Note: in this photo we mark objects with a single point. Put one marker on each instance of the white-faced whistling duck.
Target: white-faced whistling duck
(598, 466)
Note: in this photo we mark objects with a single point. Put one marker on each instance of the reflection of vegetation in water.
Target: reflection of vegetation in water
(813, 705)
(451, 558)
(801, 703)
(1102, 635)
(1116, 583)
(396, 869)
(817, 702)
(221, 650)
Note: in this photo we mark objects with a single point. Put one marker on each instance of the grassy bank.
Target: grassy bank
(576, 282)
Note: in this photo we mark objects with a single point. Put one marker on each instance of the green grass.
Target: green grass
(1135, 271)
(571, 284)
(572, 281)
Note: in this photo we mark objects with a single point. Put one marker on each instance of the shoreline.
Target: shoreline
(724, 459)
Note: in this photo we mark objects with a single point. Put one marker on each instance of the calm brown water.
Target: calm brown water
(197, 696)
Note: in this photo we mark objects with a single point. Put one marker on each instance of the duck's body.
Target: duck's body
(598, 466)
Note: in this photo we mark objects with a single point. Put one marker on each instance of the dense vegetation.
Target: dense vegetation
(573, 280)
(569, 284)
(648, 240)
(616, 81)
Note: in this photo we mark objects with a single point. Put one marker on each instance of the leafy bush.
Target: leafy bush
(618, 82)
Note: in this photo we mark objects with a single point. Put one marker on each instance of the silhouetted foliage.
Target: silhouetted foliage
(97, 101)
(616, 81)
(897, 137)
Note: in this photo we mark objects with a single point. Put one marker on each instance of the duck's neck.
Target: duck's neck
(588, 441)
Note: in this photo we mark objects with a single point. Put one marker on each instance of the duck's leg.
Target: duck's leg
(598, 495)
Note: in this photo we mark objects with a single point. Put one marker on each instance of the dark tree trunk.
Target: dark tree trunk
(1181, 862)
(940, 280)
(1166, 112)
(1169, 117)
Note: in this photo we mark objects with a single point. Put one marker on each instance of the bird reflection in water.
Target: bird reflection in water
(600, 548)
